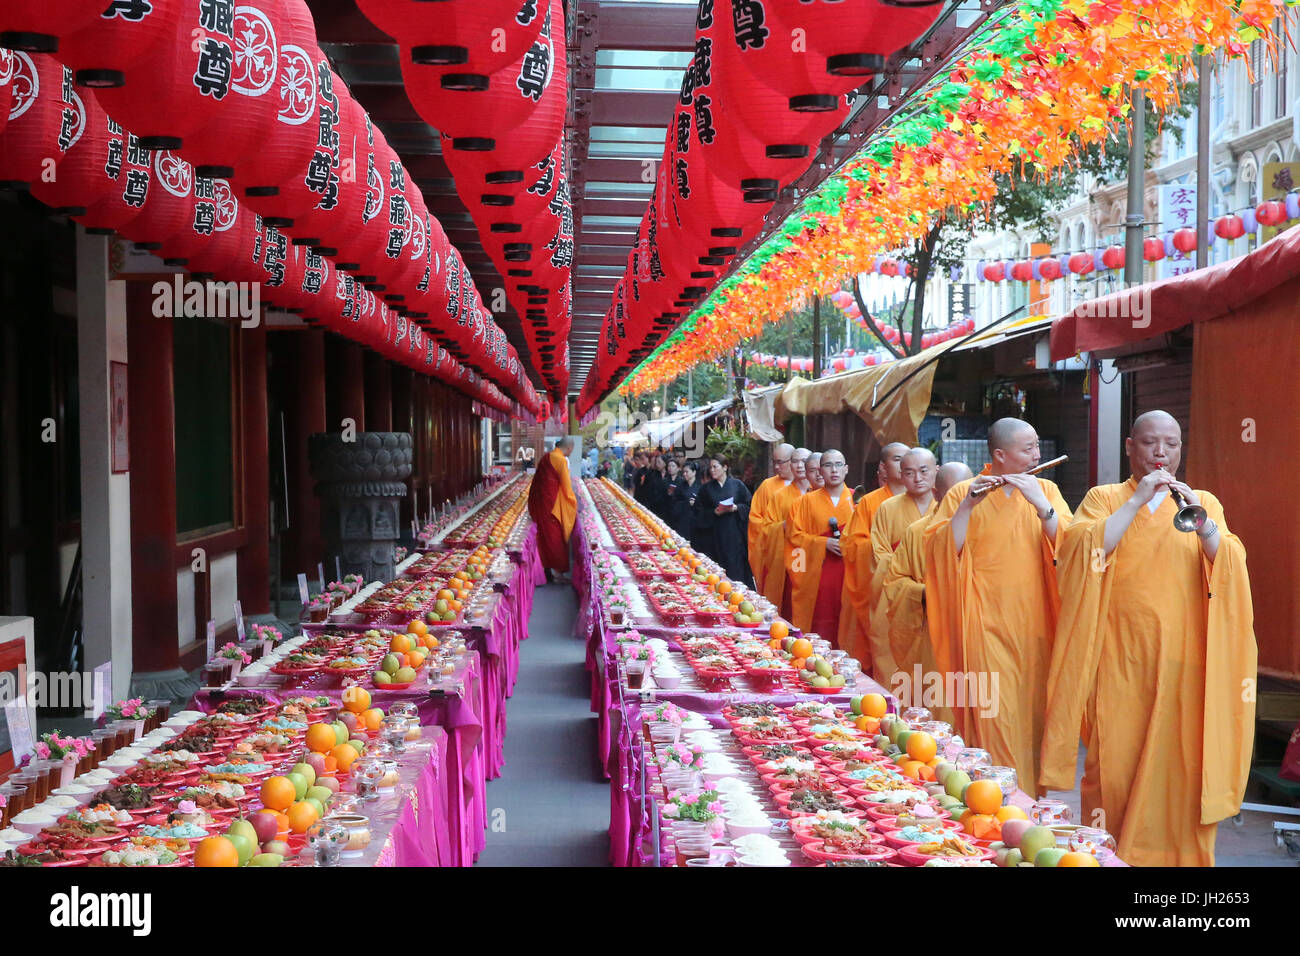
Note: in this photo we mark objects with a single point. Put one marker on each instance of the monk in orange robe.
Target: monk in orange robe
(902, 597)
(553, 507)
(776, 587)
(855, 630)
(892, 518)
(990, 588)
(768, 509)
(1154, 658)
(816, 568)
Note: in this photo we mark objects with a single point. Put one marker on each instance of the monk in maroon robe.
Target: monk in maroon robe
(554, 508)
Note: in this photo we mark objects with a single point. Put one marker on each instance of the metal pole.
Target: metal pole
(817, 336)
(1136, 183)
(690, 387)
(1202, 161)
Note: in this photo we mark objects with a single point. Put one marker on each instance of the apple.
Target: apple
(276, 846)
(1008, 856)
(957, 782)
(341, 732)
(307, 770)
(329, 783)
(264, 827)
(349, 720)
(1013, 831)
(245, 829)
(1048, 856)
(316, 762)
(855, 705)
(243, 845)
(320, 807)
(358, 744)
(323, 794)
(267, 859)
(1033, 840)
(300, 785)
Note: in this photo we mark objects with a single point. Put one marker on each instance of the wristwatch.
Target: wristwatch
(1048, 515)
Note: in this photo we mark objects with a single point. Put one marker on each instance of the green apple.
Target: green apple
(391, 664)
(243, 845)
(307, 770)
(323, 794)
(855, 705)
(266, 859)
(746, 607)
(902, 738)
(1048, 856)
(1010, 856)
(244, 829)
(341, 731)
(896, 730)
(300, 785)
(1035, 839)
(956, 783)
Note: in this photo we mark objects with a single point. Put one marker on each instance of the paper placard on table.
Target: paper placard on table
(212, 639)
(18, 720)
(102, 687)
(302, 588)
(239, 621)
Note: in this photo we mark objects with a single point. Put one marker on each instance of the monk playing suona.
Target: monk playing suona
(816, 568)
(1154, 656)
(553, 507)
(990, 588)
(855, 629)
(767, 511)
(902, 596)
(887, 527)
(776, 585)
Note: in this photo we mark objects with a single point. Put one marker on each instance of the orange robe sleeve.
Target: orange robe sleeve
(806, 528)
(566, 501)
(856, 544)
(773, 546)
(902, 592)
(892, 519)
(762, 513)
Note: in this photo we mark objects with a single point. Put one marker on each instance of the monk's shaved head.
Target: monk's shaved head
(783, 450)
(1004, 431)
(813, 470)
(949, 474)
(801, 453)
(919, 456)
(918, 467)
(783, 461)
(565, 444)
(1154, 442)
(891, 462)
(1013, 446)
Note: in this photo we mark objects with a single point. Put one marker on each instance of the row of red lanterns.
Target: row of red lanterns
(259, 111)
(769, 79)
(492, 77)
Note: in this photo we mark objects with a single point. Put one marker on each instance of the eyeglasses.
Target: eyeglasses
(835, 464)
(780, 461)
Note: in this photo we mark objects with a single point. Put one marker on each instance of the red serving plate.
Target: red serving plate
(817, 851)
(910, 857)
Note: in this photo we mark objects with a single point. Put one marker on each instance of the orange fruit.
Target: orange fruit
(982, 826)
(735, 598)
(798, 663)
(926, 772)
(445, 595)
(218, 851)
(321, 737)
(983, 796)
(356, 698)
(723, 587)
(418, 628)
(874, 705)
(778, 631)
(400, 644)
(775, 643)
(344, 754)
(278, 792)
(302, 815)
(711, 579)
(1011, 812)
(802, 648)
(432, 642)
(1077, 859)
(966, 815)
(373, 718)
(921, 746)
(869, 724)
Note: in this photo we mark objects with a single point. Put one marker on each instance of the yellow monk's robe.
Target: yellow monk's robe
(806, 528)
(771, 501)
(1155, 652)
(893, 518)
(992, 615)
(855, 636)
(777, 549)
(566, 502)
(902, 595)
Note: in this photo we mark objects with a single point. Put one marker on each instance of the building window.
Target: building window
(1279, 86)
(204, 396)
(1256, 83)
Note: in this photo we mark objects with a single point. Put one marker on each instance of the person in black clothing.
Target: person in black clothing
(691, 489)
(729, 523)
(678, 509)
(650, 486)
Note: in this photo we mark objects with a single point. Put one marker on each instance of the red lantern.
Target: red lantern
(889, 267)
(1270, 213)
(46, 118)
(1113, 257)
(995, 271)
(1081, 263)
(850, 352)
(907, 339)
(475, 36)
(1049, 269)
(1153, 249)
(38, 27)
(1185, 240)
(103, 49)
(1229, 227)
(1022, 271)
(6, 90)
(168, 204)
(927, 340)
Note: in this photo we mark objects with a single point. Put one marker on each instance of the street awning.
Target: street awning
(666, 432)
(1154, 308)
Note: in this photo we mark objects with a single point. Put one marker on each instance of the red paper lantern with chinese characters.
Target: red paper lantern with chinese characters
(1049, 269)
(46, 117)
(1113, 257)
(103, 49)
(127, 172)
(1022, 271)
(341, 179)
(165, 195)
(477, 37)
(1081, 263)
(6, 91)
(1229, 227)
(228, 253)
(995, 271)
(1270, 213)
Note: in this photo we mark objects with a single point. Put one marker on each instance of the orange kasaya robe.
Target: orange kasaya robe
(992, 615)
(553, 506)
(771, 502)
(902, 596)
(776, 586)
(893, 518)
(1154, 654)
(855, 624)
(816, 577)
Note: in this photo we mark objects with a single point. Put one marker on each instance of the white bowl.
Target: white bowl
(736, 830)
(744, 860)
(39, 819)
(250, 678)
(667, 681)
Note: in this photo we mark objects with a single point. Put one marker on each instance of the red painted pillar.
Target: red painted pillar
(305, 415)
(151, 434)
(379, 393)
(255, 463)
(351, 385)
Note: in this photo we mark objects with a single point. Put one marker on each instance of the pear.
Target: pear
(956, 783)
(266, 859)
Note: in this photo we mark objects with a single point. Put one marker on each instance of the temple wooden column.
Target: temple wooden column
(379, 393)
(304, 403)
(252, 452)
(151, 435)
(345, 395)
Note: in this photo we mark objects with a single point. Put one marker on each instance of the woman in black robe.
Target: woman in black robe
(679, 511)
(729, 523)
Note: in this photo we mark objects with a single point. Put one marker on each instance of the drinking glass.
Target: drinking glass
(972, 757)
(1006, 778)
(693, 848)
(1093, 840)
(15, 795)
(916, 716)
(404, 709)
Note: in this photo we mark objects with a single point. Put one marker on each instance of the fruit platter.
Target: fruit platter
(495, 523)
(655, 564)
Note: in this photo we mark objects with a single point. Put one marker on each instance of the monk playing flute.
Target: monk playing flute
(990, 587)
(1155, 661)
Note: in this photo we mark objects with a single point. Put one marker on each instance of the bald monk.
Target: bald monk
(776, 587)
(991, 594)
(902, 595)
(893, 518)
(553, 507)
(800, 465)
(816, 564)
(814, 470)
(768, 509)
(855, 631)
(1153, 653)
